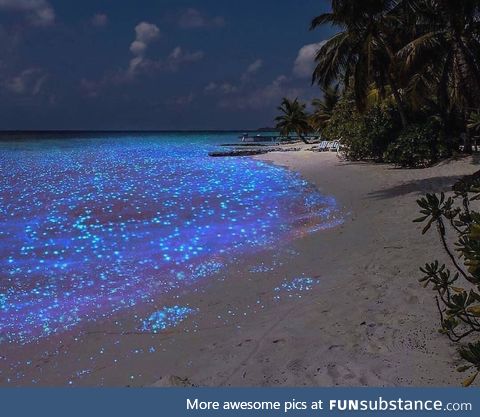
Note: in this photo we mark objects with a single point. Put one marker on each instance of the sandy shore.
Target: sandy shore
(367, 322)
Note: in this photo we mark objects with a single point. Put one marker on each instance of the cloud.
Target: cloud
(140, 64)
(210, 87)
(194, 19)
(267, 96)
(178, 57)
(89, 88)
(99, 20)
(28, 82)
(38, 12)
(223, 88)
(182, 100)
(145, 34)
(264, 97)
(226, 88)
(305, 61)
(254, 67)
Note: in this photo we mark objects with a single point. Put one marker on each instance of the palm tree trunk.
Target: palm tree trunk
(394, 87)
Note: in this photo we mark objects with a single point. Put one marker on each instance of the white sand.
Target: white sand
(370, 323)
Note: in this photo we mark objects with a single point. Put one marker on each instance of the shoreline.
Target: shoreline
(369, 322)
(385, 323)
(364, 320)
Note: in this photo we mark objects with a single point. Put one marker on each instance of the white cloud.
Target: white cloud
(226, 88)
(254, 67)
(264, 97)
(305, 61)
(194, 19)
(28, 82)
(138, 48)
(38, 12)
(99, 20)
(178, 57)
(210, 87)
(183, 100)
(223, 88)
(145, 34)
(140, 63)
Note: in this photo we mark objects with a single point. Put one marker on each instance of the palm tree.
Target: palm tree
(363, 52)
(474, 122)
(474, 125)
(446, 51)
(323, 108)
(294, 118)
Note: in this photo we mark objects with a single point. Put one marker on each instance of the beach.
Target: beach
(194, 198)
(341, 306)
(369, 322)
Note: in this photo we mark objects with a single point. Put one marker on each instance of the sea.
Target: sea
(95, 223)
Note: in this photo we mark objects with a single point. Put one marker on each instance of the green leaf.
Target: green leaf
(427, 227)
(420, 219)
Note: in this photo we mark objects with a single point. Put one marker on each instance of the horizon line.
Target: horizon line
(130, 130)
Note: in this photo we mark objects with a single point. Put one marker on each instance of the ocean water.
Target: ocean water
(96, 224)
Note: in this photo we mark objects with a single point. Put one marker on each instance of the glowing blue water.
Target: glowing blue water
(296, 286)
(90, 226)
(166, 318)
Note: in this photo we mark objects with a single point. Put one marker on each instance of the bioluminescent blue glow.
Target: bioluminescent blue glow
(166, 318)
(91, 226)
(295, 287)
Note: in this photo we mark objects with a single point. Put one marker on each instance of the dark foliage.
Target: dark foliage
(417, 146)
(422, 56)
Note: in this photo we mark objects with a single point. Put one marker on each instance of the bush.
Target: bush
(457, 291)
(417, 146)
(347, 126)
(364, 136)
(377, 134)
(381, 126)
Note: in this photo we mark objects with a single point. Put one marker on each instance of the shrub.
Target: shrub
(377, 134)
(417, 146)
(364, 136)
(458, 290)
(381, 126)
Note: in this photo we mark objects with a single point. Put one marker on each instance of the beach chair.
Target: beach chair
(335, 146)
(320, 147)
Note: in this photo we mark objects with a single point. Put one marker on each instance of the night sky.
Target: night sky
(153, 64)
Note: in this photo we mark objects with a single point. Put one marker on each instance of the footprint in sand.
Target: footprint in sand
(342, 375)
